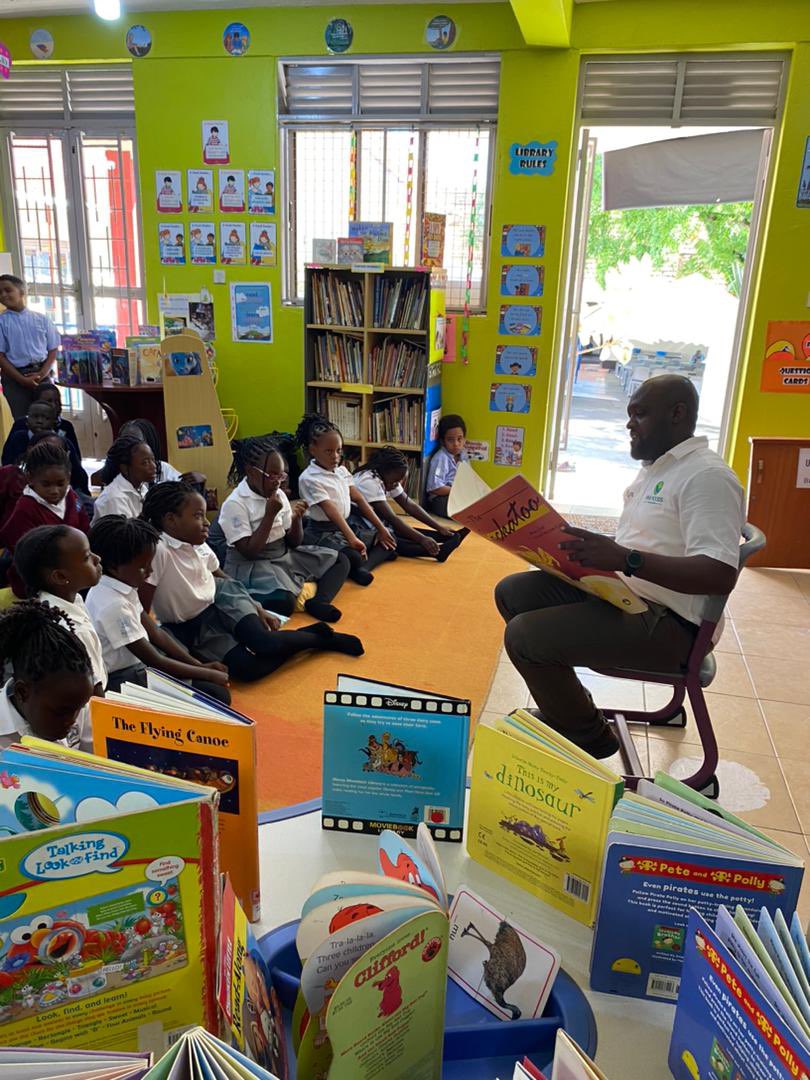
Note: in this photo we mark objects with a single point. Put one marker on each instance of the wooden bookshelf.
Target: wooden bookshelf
(341, 358)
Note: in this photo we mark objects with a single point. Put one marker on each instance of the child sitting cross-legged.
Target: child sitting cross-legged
(381, 479)
(265, 536)
(131, 640)
(210, 613)
(129, 470)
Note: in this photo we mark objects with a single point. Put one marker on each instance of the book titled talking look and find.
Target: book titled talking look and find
(669, 849)
(170, 728)
(394, 757)
(517, 518)
(539, 812)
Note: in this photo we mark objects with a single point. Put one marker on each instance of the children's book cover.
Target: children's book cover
(36, 1063)
(376, 237)
(515, 516)
(394, 757)
(433, 230)
(647, 893)
(539, 819)
(571, 1062)
(217, 751)
(724, 1027)
(350, 250)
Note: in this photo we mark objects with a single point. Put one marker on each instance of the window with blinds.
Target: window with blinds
(68, 96)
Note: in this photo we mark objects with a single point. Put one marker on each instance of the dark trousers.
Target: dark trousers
(551, 628)
(19, 397)
(437, 504)
(137, 674)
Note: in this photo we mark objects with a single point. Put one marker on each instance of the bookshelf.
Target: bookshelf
(373, 355)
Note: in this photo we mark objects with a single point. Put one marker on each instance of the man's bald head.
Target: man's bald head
(662, 413)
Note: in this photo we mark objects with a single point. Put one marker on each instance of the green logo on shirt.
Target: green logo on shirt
(658, 487)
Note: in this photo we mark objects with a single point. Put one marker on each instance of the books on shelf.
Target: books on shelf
(170, 728)
(394, 757)
(338, 358)
(336, 300)
(397, 420)
(670, 849)
(399, 302)
(737, 1015)
(86, 358)
(197, 1053)
(539, 812)
(398, 362)
(345, 411)
(515, 516)
(27, 1063)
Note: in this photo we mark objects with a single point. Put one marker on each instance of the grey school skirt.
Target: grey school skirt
(209, 635)
(279, 568)
(327, 534)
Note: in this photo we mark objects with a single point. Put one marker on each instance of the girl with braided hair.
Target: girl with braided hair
(265, 536)
(51, 677)
(379, 480)
(128, 473)
(329, 491)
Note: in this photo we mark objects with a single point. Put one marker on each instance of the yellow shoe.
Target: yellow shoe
(306, 593)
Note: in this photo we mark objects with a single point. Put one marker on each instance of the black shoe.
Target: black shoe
(603, 745)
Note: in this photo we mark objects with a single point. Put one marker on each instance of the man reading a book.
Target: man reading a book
(677, 543)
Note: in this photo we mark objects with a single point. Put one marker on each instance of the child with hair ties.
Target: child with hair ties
(128, 472)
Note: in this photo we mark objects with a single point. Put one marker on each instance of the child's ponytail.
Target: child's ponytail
(312, 426)
(38, 640)
(249, 452)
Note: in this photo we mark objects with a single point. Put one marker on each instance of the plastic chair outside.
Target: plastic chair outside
(701, 668)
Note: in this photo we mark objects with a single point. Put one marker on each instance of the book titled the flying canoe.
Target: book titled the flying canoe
(517, 518)
(539, 812)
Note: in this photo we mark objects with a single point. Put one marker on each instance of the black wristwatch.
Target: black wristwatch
(633, 562)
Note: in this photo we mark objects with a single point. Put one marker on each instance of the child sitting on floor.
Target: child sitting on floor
(49, 393)
(42, 419)
(379, 480)
(51, 677)
(210, 613)
(265, 536)
(131, 640)
(328, 489)
(128, 472)
(444, 463)
(54, 562)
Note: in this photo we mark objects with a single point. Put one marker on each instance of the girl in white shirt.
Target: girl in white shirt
(328, 489)
(127, 474)
(148, 433)
(265, 536)
(211, 614)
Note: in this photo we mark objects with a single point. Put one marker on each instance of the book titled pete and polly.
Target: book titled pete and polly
(517, 518)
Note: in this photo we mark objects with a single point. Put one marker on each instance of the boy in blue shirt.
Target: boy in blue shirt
(28, 344)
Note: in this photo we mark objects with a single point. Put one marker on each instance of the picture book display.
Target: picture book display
(108, 901)
(515, 516)
(324, 251)
(172, 729)
(350, 250)
(197, 1053)
(433, 230)
(373, 949)
(393, 757)
(539, 811)
(669, 849)
(736, 1015)
(376, 237)
(86, 358)
(27, 1063)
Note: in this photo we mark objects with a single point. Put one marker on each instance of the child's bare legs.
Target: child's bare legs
(261, 651)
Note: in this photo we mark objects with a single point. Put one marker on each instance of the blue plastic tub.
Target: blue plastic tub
(477, 1045)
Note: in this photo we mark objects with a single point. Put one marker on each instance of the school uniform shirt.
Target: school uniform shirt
(116, 611)
(442, 469)
(84, 630)
(168, 472)
(13, 725)
(316, 484)
(18, 442)
(12, 485)
(26, 337)
(32, 510)
(687, 502)
(243, 510)
(372, 488)
(183, 578)
(120, 497)
(63, 427)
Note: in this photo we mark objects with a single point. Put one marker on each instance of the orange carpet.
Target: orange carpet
(423, 625)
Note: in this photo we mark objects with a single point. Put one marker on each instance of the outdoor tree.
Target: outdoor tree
(711, 239)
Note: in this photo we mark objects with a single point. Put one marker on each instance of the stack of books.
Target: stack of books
(397, 420)
(338, 358)
(336, 301)
(400, 304)
(397, 363)
(86, 358)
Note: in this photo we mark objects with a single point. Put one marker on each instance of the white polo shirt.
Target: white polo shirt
(316, 484)
(373, 489)
(183, 578)
(168, 472)
(83, 629)
(120, 497)
(116, 613)
(13, 725)
(687, 502)
(243, 511)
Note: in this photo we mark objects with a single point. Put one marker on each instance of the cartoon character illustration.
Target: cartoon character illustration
(391, 992)
(533, 834)
(213, 137)
(776, 886)
(626, 965)
(347, 915)
(9, 780)
(404, 869)
(390, 757)
(506, 962)
(688, 1058)
(230, 187)
(167, 188)
(201, 187)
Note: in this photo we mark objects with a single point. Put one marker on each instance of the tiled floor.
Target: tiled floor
(759, 703)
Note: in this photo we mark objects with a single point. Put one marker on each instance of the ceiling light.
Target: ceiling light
(107, 9)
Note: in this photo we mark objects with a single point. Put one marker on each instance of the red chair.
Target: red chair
(701, 668)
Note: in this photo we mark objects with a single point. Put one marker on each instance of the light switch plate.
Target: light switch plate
(219, 277)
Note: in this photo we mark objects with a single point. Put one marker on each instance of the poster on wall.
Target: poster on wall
(236, 39)
(803, 197)
(201, 318)
(338, 35)
(41, 44)
(509, 446)
(786, 364)
(520, 280)
(172, 244)
(251, 312)
(200, 191)
(523, 241)
(515, 360)
(232, 245)
(216, 142)
(261, 191)
(202, 243)
(476, 450)
(510, 397)
(232, 191)
(433, 230)
(169, 189)
(520, 320)
(262, 243)
(138, 41)
(533, 158)
(5, 61)
(440, 32)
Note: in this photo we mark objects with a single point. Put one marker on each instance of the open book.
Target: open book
(516, 517)
(197, 1053)
(25, 1063)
